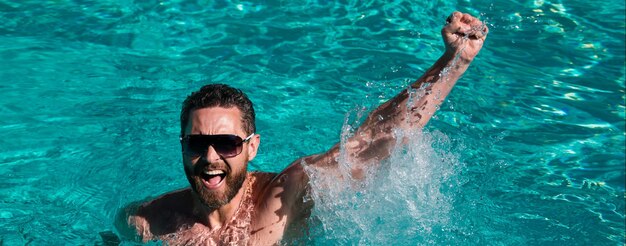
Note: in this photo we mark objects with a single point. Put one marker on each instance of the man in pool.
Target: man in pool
(226, 204)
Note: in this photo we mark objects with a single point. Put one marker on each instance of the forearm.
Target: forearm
(419, 103)
(411, 109)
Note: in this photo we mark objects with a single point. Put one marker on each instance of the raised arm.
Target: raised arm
(412, 108)
(374, 140)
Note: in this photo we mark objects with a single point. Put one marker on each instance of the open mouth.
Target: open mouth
(213, 178)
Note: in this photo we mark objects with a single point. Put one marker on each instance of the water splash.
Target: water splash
(404, 199)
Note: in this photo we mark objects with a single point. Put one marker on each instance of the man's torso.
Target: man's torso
(264, 213)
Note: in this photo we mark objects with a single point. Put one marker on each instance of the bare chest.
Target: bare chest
(199, 234)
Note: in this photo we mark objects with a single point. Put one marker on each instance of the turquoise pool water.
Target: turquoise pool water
(527, 150)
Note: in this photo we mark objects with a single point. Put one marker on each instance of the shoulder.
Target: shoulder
(280, 195)
(279, 202)
(160, 216)
(286, 185)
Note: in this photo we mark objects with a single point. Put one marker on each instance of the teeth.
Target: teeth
(214, 172)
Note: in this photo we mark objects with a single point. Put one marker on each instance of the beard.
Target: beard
(214, 198)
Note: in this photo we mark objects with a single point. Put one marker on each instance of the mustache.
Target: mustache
(203, 165)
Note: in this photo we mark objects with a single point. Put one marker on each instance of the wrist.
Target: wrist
(453, 61)
(456, 57)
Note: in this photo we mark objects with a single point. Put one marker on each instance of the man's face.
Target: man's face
(214, 178)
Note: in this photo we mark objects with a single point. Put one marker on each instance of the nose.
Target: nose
(211, 155)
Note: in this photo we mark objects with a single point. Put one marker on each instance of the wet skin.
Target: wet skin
(206, 212)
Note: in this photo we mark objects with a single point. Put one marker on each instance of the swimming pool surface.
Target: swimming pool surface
(527, 150)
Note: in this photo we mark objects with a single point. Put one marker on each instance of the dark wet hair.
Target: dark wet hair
(219, 95)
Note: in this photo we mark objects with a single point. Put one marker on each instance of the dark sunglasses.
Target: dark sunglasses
(225, 145)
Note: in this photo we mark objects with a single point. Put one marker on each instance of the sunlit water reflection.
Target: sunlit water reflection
(528, 149)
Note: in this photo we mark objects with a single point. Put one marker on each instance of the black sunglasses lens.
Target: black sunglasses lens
(228, 145)
(195, 146)
(224, 145)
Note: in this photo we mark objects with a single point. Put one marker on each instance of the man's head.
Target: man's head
(219, 95)
(216, 122)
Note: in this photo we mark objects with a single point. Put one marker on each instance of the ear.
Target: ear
(253, 146)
